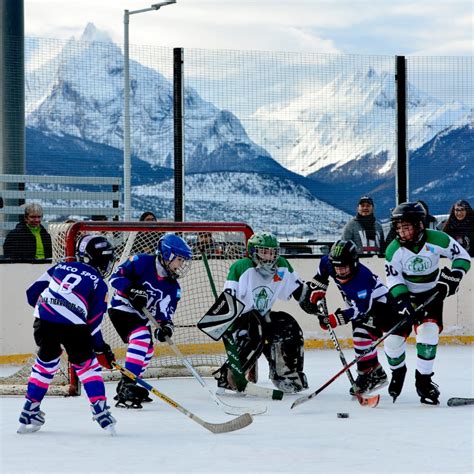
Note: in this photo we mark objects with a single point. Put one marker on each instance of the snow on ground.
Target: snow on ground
(405, 437)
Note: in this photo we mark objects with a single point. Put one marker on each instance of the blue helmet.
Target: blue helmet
(169, 247)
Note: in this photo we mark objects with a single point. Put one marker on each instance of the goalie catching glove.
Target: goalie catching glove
(165, 330)
(138, 297)
(448, 282)
(313, 291)
(334, 319)
(105, 356)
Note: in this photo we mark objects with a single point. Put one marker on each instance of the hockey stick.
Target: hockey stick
(371, 401)
(459, 401)
(229, 409)
(306, 398)
(236, 424)
(243, 385)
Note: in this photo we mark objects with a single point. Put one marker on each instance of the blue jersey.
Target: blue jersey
(71, 293)
(145, 270)
(359, 293)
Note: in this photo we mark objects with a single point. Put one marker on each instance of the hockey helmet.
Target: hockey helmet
(412, 213)
(96, 251)
(169, 247)
(264, 249)
(343, 253)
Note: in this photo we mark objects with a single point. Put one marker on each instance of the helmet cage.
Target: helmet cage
(267, 242)
(412, 213)
(343, 253)
(169, 247)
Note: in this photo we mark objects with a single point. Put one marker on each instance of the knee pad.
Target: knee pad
(427, 333)
(394, 345)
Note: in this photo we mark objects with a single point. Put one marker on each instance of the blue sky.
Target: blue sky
(379, 27)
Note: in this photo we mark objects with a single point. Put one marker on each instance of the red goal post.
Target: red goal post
(221, 242)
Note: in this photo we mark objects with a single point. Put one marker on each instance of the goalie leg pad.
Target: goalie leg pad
(247, 333)
(285, 352)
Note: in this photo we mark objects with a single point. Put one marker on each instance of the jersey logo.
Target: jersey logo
(262, 297)
(362, 294)
(418, 264)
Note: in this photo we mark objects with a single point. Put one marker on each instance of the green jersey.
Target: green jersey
(415, 268)
(260, 292)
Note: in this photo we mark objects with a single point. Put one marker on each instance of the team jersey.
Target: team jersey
(260, 292)
(145, 270)
(71, 293)
(414, 268)
(359, 293)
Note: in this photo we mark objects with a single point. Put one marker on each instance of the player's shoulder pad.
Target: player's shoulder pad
(437, 237)
(238, 268)
(393, 246)
(282, 262)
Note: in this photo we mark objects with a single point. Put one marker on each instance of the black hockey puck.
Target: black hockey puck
(343, 415)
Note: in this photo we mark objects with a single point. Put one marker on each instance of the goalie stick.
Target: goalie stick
(371, 401)
(308, 397)
(234, 364)
(459, 401)
(233, 425)
(229, 409)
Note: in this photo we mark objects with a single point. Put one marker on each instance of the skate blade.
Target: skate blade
(428, 401)
(111, 430)
(25, 429)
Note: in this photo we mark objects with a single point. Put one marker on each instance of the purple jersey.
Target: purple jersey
(144, 270)
(359, 292)
(71, 293)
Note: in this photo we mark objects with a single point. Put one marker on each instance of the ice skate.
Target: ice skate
(31, 418)
(396, 384)
(130, 395)
(369, 382)
(426, 389)
(101, 414)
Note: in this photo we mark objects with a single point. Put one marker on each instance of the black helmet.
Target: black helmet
(344, 253)
(97, 252)
(411, 212)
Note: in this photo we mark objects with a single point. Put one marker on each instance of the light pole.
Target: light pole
(127, 166)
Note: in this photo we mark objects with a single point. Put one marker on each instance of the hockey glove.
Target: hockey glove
(165, 330)
(313, 291)
(334, 319)
(448, 282)
(105, 356)
(405, 309)
(138, 297)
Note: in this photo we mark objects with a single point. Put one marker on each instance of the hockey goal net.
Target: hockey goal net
(215, 247)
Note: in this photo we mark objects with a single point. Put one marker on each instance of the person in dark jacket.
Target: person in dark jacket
(460, 225)
(29, 240)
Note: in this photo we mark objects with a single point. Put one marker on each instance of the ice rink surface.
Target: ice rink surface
(405, 437)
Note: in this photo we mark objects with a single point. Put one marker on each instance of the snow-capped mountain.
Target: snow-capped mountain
(351, 117)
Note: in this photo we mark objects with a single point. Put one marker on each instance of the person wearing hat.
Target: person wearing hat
(364, 230)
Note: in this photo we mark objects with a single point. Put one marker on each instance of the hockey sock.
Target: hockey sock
(138, 346)
(42, 374)
(90, 375)
(427, 337)
(362, 340)
(148, 357)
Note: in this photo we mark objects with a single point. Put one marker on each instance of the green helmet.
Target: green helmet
(266, 264)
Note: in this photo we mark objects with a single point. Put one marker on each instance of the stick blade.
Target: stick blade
(459, 401)
(233, 425)
(370, 402)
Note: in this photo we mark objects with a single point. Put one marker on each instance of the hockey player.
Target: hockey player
(368, 308)
(412, 263)
(70, 300)
(258, 281)
(146, 281)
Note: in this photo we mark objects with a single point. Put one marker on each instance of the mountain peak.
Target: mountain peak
(91, 33)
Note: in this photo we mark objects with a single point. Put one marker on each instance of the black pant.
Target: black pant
(75, 338)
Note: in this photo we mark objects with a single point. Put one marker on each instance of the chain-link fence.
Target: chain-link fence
(286, 142)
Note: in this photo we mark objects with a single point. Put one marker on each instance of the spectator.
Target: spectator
(148, 216)
(364, 230)
(429, 222)
(29, 240)
(460, 225)
(207, 245)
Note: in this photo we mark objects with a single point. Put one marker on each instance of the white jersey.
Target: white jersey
(417, 267)
(261, 292)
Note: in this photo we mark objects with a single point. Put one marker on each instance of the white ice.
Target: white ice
(404, 437)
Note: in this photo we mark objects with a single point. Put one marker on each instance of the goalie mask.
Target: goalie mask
(344, 258)
(96, 251)
(263, 248)
(174, 255)
(407, 222)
